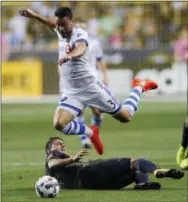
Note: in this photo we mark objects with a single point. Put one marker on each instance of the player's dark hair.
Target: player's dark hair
(63, 12)
(50, 141)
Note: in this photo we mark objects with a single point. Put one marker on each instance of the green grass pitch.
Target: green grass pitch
(154, 133)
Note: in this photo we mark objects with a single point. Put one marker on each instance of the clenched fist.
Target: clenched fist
(64, 59)
(27, 13)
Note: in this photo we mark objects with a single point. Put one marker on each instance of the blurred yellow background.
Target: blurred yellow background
(135, 36)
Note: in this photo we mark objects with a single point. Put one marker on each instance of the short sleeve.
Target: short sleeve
(81, 36)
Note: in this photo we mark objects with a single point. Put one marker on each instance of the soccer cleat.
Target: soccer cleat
(95, 139)
(146, 84)
(148, 186)
(171, 173)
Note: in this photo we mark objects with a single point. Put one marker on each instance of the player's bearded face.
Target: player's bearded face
(64, 26)
(58, 145)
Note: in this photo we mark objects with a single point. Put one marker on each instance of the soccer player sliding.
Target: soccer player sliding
(114, 173)
(80, 87)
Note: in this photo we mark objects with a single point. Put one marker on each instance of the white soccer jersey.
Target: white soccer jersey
(95, 53)
(76, 74)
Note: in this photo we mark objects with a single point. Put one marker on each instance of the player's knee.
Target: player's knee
(59, 124)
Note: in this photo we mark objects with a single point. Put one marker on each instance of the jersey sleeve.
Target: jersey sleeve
(81, 36)
(99, 51)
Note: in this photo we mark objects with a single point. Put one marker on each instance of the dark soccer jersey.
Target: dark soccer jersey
(66, 175)
(114, 173)
(98, 174)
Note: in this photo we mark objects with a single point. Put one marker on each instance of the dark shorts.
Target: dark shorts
(106, 174)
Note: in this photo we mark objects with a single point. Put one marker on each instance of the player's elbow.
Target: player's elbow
(52, 163)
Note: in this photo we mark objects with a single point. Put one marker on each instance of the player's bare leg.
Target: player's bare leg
(130, 105)
(61, 118)
(63, 122)
(97, 118)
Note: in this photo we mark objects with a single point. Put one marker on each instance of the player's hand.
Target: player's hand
(64, 59)
(80, 155)
(27, 13)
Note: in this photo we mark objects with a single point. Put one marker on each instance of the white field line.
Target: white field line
(15, 164)
(39, 164)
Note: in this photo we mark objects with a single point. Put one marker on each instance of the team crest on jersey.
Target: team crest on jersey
(61, 49)
(66, 48)
(78, 35)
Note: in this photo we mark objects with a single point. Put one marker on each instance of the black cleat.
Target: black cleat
(148, 186)
(172, 173)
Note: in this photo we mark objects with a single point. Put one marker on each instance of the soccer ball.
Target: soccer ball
(47, 187)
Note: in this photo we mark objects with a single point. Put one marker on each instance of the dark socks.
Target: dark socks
(145, 166)
(141, 178)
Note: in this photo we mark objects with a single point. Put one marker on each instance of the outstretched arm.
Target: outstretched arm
(31, 14)
(64, 162)
(79, 50)
(60, 162)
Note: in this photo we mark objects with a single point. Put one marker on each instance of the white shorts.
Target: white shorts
(97, 95)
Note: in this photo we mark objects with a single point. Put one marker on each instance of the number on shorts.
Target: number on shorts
(63, 99)
(112, 103)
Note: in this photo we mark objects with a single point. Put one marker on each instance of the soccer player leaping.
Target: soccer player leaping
(96, 62)
(81, 87)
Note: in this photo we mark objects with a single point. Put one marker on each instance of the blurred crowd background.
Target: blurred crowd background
(117, 25)
(146, 39)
